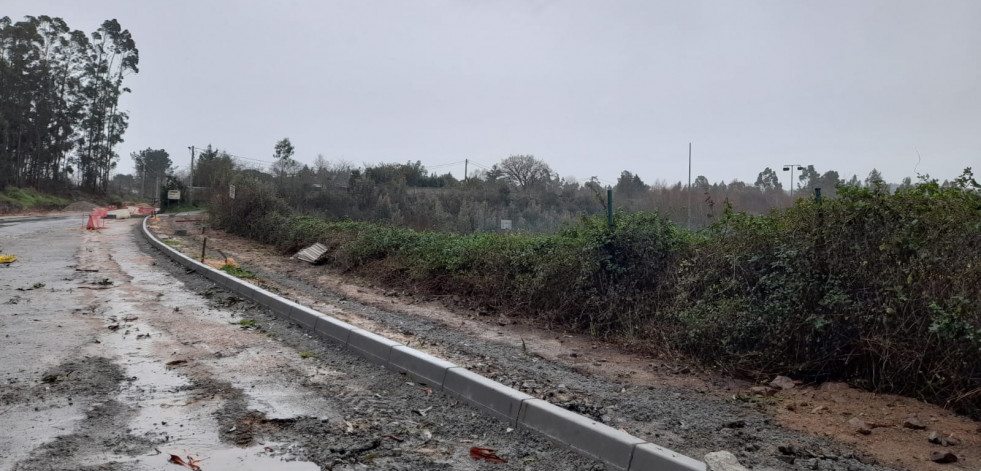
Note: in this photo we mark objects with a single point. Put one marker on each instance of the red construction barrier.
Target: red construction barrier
(95, 222)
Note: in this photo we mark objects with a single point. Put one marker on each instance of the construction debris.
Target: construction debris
(313, 254)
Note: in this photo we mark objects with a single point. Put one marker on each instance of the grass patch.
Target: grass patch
(307, 355)
(182, 208)
(173, 243)
(237, 271)
(29, 198)
(247, 322)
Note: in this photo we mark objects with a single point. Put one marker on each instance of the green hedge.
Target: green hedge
(876, 288)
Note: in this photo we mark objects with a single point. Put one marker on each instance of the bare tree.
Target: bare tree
(525, 171)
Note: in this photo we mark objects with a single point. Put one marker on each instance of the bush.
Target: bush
(876, 288)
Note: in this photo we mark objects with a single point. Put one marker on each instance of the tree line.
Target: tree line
(520, 188)
(59, 102)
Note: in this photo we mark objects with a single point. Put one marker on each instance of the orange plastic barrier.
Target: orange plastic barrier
(95, 222)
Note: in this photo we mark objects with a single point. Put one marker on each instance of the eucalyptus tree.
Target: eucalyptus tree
(59, 96)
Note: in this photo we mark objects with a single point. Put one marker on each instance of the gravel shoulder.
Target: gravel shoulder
(665, 400)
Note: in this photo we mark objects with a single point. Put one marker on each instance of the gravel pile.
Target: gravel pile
(80, 206)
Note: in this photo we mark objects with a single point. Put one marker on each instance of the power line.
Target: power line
(215, 149)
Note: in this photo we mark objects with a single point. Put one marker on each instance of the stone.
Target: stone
(762, 391)
(943, 457)
(859, 426)
(722, 461)
(913, 423)
(782, 382)
(934, 437)
(949, 441)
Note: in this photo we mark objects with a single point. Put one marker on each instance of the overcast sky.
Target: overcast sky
(591, 87)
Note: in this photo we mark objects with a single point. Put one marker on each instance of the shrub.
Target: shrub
(876, 288)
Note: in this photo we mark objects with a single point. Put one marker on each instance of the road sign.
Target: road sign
(173, 194)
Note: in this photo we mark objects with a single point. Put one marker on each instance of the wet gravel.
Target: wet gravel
(680, 419)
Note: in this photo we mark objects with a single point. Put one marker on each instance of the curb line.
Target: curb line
(618, 450)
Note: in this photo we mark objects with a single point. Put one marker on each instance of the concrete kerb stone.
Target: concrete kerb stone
(296, 313)
(281, 306)
(326, 326)
(371, 346)
(582, 434)
(248, 291)
(494, 397)
(650, 456)
(420, 365)
(618, 449)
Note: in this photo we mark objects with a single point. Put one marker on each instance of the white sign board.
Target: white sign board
(505, 224)
(173, 194)
(231, 191)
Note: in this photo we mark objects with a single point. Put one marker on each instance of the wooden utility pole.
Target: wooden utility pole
(190, 187)
(466, 163)
(689, 186)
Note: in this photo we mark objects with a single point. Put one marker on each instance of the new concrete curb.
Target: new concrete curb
(619, 450)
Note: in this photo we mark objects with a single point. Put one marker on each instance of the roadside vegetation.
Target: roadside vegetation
(13, 199)
(237, 271)
(873, 286)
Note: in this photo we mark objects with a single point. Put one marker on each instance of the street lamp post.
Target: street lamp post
(791, 168)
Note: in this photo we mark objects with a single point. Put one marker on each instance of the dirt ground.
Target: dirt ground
(115, 358)
(670, 401)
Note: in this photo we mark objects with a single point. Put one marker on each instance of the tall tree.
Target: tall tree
(630, 184)
(59, 95)
(151, 165)
(768, 180)
(525, 171)
(874, 179)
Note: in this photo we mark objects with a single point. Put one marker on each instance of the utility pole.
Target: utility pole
(689, 186)
(609, 207)
(190, 188)
(466, 163)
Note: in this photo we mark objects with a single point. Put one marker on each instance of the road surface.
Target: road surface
(116, 358)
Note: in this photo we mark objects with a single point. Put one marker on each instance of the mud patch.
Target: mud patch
(81, 385)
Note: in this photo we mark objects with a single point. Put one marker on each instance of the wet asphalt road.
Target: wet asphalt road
(115, 358)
